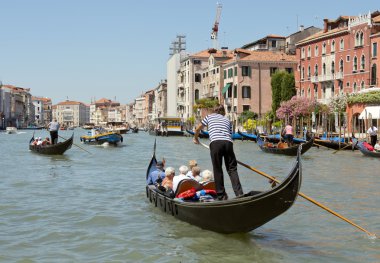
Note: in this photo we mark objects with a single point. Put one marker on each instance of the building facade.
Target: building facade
(70, 113)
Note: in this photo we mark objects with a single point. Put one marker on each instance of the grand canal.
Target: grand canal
(83, 207)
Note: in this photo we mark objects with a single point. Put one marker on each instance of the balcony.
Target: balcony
(314, 79)
(339, 75)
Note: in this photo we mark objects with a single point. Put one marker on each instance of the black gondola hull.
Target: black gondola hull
(290, 151)
(53, 149)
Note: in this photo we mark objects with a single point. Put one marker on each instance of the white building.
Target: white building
(71, 113)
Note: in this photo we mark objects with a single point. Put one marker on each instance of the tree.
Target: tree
(288, 89)
(283, 88)
(205, 103)
(276, 89)
(246, 115)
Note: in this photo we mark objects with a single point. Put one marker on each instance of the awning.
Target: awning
(228, 85)
(370, 112)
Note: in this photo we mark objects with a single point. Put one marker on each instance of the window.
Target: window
(309, 52)
(348, 59)
(340, 87)
(224, 73)
(303, 73)
(348, 84)
(246, 71)
(272, 71)
(361, 39)
(362, 63)
(246, 107)
(217, 70)
(316, 52)
(332, 67)
(355, 88)
(316, 70)
(246, 92)
(362, 85)
(308, 72)
(373, 75)
(341, 65)
(308, 93)
(333, 46)
(324, 48)
(341, 44)
(196, 94)
(235, 71)
(355, 64)
(196, 61)
(230, 73)
(303, 53)
(235, 91)
(289, 70)
(324, 69)
(274, 43)
(357, 39)
(374, 49)
(198, 77)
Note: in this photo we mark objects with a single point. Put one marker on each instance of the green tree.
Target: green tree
(246, 115)
(276, 89)
(288, 87)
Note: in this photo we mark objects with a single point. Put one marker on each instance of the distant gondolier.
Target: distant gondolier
(372, 131)
(53, 129)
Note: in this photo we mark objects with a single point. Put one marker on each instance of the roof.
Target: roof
(376, 19)
(264, 39)
(217, 54)
(305, 29)
(68, 102)
(265, 56)
(322, 34)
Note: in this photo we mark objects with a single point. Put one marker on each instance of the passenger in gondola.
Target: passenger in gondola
(207, 176)
(196, 173)
(377, 146)
(35, 141)
(156, 177)
(192, 163)
(39, 142)
(181, 176)
(168, 180)
(46, 141)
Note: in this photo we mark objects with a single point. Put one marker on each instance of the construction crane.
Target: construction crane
(215, 28)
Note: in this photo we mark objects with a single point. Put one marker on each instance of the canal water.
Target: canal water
(83, 207)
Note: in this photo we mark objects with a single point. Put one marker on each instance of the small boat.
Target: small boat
(135, 129)
(33, 127)
(290, 151)
(201, 135)
(88, 126)
(235, 215)
(365, 151)
(98, 136)
(11, 130)
(333, 143)
(278, 137)
(52, 149)
(248, 136)
(235, 135)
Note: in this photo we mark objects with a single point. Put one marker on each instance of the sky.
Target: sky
(85, 50)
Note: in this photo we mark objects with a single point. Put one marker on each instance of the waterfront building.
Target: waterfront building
(292, 39)
(42, 109)
(148, 110)
(247, 80)
(129, 117)
(341, 59)
(5, 106)
(172, 67)
(99, 110)
(159, 108)
(138, 111)
(70, 113)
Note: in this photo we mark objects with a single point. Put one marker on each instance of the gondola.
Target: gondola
(235, 135)
(248, 136)
(201, 135)
(102, 137)
(52, 149)
(236, 215)
(333, 144)
(367, 152)
(290, 151)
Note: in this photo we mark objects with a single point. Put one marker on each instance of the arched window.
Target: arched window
(362, 85)
(332, 67)
(355, 87)
(361, 38)
(362, 62)
(308, 72)
(341, 44)
(357, 40)
(316, 52)
(308, 93)
(303, 73)
(309, 52)
(303, 53)
(324, 48)
(196, 94)
(341, 66)
(324, 69)
(333, 46)
(355, 63)
(316, 70)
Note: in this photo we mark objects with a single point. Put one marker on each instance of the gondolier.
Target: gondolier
(53, 129)
(372, 131)
(221, 146)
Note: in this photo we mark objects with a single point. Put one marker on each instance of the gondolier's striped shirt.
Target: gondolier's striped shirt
(219, 127)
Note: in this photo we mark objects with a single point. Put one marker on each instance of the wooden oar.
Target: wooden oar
(342, 148)
(75, 144)
(304, 196)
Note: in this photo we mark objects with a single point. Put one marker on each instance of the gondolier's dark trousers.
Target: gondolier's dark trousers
(54, 137)
(373, 139)
(219, 150)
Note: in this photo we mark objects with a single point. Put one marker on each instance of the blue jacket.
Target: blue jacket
(153, 176)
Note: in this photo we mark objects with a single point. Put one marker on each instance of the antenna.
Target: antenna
(215, 28)
(178, 45)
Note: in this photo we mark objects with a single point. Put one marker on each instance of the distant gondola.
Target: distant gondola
(235, 135)
(290, 151)
(52, 149)
(333, 144)
(367, 152)
(201, 135)
(248, 136)
(236, 215)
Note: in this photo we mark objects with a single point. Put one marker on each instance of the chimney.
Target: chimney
(301, 28)
(325, 22)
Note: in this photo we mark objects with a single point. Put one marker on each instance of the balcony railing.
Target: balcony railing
(339, 75)
(314, 79)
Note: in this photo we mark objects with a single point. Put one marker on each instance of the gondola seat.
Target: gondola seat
(186, 185)
(209, 185)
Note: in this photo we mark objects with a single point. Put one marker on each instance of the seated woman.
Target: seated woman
(182, 175)
(196, 171)
(207, 176)
(168, 180)
(46, 141)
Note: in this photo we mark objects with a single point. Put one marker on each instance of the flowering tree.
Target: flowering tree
(296, 107)
(338, 103)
